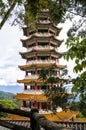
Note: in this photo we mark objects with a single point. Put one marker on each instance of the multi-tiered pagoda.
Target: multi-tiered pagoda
(41, 51)
(41, 45)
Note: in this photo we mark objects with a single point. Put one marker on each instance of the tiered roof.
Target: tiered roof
(31, 81)
(31, 97)
(41, 65)
(40, 50)
(37, 97)
(42, 38)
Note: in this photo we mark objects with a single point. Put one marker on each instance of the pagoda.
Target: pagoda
(41, 45)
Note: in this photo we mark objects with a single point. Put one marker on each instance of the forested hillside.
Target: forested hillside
(6, 95)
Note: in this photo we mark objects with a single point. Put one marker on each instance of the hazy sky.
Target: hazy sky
(10, 46)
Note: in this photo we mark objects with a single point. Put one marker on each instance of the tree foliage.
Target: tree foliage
(56, 93)
(20, 9)
(7, 103)
(76, 44)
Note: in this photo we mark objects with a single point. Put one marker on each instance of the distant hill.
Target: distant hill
(11, 88)
(6, 95)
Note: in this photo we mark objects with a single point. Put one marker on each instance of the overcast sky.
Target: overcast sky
(10, 46)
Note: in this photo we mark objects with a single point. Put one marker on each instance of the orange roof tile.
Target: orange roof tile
(59, 116)
(30, 81)
(41, 65)
(62, 116)
(36, 97)
(15, 117)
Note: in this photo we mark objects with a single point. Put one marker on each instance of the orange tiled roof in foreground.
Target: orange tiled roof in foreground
(59, 116)
(36, 97)
(62, 116)
(15, 117)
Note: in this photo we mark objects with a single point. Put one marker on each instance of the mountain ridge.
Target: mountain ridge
(11, 88)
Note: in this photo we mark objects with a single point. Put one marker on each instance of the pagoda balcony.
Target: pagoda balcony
(43, 34)
(40, 48)
(32, 76)
(43, 21)
(41, 111)
(33, 91)
(37, 76)
(42, 62)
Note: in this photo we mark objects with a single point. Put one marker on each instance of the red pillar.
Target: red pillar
(36, 87)
(36, 29)
(50, 56)
(24, 104)
(48, 29)
(49, 42)
(36, 71)
(26, 73)
(30, 105)
(36, 43)
(36, 56)
(35, 104)
(25, 87)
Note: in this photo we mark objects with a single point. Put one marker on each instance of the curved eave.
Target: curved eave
(41, 51)
(56, 27)
(37, 50)
(32, 39)
(59, 42)
(30, 81)
(61, 66)
(31, 97)
(25, 67)
(49, 25)
(40, 36)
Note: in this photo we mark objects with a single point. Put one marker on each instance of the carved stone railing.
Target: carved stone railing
(37, 121)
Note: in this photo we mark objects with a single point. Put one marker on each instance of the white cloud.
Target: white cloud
(10, 46)
(9, 75)
(2, 82)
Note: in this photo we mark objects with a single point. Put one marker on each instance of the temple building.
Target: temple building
(41, 45)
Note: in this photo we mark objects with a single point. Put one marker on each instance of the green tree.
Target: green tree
(74, 106)
(7, 103)
(76, 44)
(20, 9)
(56, 93)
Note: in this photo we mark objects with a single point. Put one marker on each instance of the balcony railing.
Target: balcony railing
(33, 91)
(47, 47)
(43, 34)
(42, 62)
(32, 77)
(43, 21)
